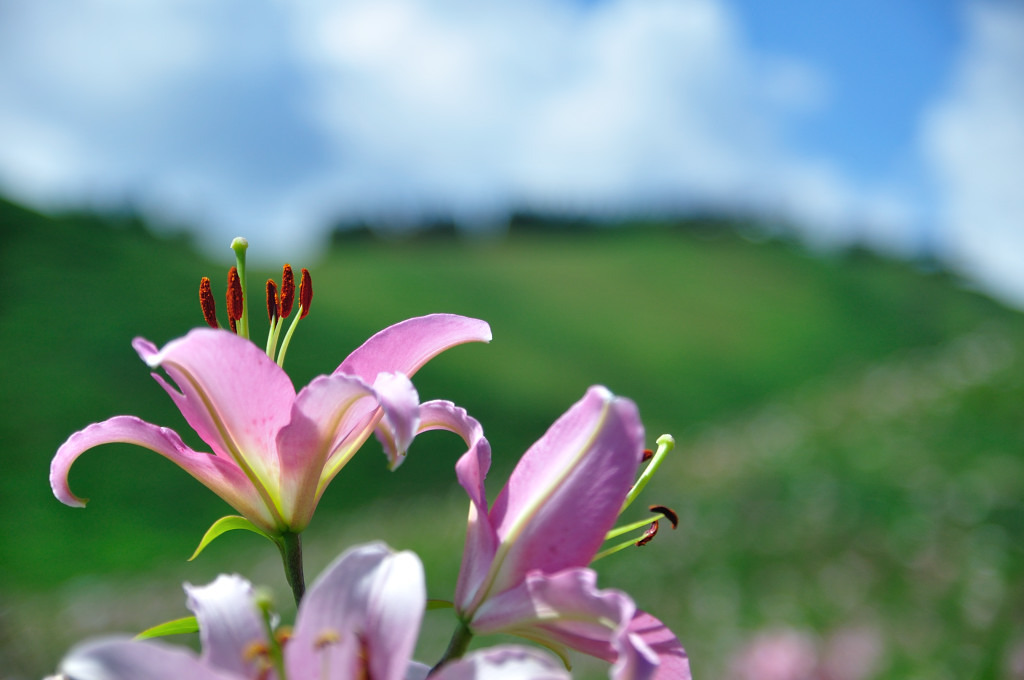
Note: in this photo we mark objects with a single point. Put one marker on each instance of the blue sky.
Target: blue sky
(885, 61)
(896, 124)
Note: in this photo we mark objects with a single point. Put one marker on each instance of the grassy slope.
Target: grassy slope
(713, 337)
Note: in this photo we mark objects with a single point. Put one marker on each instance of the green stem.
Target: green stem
(456, 648)
(290, 545)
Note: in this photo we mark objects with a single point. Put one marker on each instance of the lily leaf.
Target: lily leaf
(439, 604)
(224, 525)
(187, 624)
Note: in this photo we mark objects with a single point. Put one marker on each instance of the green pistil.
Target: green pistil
(239, 245)
(665, 444)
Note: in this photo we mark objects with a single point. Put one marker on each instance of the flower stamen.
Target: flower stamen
(207, 304)
(668, 513)
(282, 635)
(236, 301)
(305, 299)
(256, 650)
(259, 654)
(273, 316)
(326, 638)
(662, 512)
(272, 310)
(305, 292)
(279, 308)
(287, 291)
(279, 304)
(651, 532)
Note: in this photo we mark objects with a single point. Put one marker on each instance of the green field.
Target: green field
(850, 459)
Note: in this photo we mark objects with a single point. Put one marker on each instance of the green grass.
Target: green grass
(851, 450)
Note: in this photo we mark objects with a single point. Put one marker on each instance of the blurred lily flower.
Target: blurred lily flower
(275, 451)
(360, 619)
(524, 570)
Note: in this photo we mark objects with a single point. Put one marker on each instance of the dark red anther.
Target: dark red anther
(207, 303)
(669, 513)
(651, 532)
(235, 305)
(271, 300)
(648, 454)
(305, 292)
(287, 291)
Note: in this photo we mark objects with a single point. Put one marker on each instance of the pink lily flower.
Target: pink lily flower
(524, 570)
(275, 451)
(360, 619)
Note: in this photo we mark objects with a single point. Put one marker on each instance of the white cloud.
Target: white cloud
(624, 105)
(277, 117)
(974, 137)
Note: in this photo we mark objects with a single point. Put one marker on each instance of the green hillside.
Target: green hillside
(851, 448)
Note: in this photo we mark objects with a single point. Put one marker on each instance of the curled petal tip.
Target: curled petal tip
(147, 351)
(401, 405)
(407, 345)
(68, 498)
(485, 332)
(61, 465)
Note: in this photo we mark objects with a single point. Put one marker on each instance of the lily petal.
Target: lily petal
(567, 490)
(673, 662)
(473, 465)
(231, 393)
(330, 419)
(417, 671)
(363, 613)
(274, 453)
(401, 405)
(471, 470)
(127, 659)
(647, 650)
(222, 477)
(407, 345)
(230, 625)
(568, 609)
(506, 662)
